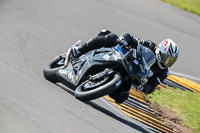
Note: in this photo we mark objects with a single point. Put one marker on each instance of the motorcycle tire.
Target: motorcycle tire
(51, 69)
(113, 82)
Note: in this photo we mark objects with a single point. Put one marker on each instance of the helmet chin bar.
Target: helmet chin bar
(161, 67)
(159, 61)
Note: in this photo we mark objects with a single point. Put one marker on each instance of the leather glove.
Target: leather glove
(123, 43)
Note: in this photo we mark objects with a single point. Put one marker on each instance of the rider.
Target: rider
(166, 54)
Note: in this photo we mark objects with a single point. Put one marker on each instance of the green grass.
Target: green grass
(184, 103)
(188, 5)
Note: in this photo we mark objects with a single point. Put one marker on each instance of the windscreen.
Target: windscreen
(148, 57)
(139, 61)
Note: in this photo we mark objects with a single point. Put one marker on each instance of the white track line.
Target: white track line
(185, 76)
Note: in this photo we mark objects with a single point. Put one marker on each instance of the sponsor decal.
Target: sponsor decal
(68, 74)
(136, 62)
(76, 78)
(62, 71)
(106, 57)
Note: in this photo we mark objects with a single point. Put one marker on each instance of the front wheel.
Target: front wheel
(98, 85)
(52, 67)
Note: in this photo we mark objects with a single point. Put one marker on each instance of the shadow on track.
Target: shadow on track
(112, 115)
(107, 112)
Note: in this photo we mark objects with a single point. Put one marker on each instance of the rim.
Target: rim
(93, 84)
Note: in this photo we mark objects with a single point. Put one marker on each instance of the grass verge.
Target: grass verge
(188, 5)
(184, 103)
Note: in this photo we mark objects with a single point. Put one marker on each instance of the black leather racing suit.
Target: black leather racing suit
(108, 39)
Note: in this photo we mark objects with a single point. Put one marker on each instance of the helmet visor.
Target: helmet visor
(167, 60)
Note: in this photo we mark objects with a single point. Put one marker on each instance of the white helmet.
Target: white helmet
(166, 53)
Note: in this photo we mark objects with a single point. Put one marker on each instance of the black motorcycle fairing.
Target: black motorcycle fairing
(136, 64)
(91, 63)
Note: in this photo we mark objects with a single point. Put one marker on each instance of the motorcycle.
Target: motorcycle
(102, 71)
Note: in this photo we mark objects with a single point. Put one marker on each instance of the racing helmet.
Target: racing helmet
(166, 53)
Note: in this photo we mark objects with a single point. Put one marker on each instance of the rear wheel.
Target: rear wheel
(98, 85)
(52, 67)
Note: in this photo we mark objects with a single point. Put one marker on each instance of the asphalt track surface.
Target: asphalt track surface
(34, 32)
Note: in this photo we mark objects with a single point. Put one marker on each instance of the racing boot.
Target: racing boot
(73, 51)
(120, 97)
